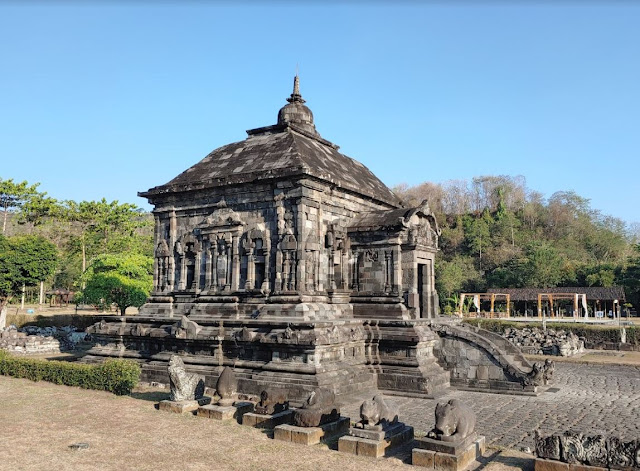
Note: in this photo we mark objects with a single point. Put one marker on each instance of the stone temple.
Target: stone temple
(295, 265)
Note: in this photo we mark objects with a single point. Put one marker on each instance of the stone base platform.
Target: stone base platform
(267, 421)
(218, 412)
(375, 443)
(311, 435)
(447, 456)
(552, 465)
(183, 407)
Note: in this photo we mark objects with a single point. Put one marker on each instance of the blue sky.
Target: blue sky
(108, 99)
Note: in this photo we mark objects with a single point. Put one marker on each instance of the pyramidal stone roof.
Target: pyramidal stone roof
(290, 148)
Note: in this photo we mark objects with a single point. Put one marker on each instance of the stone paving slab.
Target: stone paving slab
(591, 398)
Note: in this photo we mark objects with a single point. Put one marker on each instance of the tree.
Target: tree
(124, 280)
(13, 196)
(105, 227)
(24, 261)
(39, 209)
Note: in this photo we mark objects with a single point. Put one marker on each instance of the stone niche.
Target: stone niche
(291, 262)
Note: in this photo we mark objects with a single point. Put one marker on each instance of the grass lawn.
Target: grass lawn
(38, 422)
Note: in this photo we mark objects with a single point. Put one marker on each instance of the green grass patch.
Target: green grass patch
(116, 376)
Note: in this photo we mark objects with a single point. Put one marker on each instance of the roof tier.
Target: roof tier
(290, 148)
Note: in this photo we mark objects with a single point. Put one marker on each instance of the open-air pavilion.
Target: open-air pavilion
(575, 302)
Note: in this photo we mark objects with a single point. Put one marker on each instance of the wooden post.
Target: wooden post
(553, 314)
(493, 300)
(539, 305)
(461, 303)
(508, 305)
(575, 306)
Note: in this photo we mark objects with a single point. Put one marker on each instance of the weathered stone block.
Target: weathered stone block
(348, 444)
(424, 458)
(463, 453)
(311, 435)
(182, 407)
(550, 465)
(483, 373)
(217, 412)
(267, 421)
(584, 467)
(375, 448)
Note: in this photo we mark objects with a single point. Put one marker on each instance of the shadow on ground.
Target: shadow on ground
(152, 396)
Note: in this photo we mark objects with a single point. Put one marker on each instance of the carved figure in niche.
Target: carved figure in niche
(272, 401)
(318, 409)
(222, 263)
(184, 386)
(310, 270)
(162, 259)
(371, 255)
(288, 247)
(256, 254)
(376, 414)
(454, 422)
(227, 387)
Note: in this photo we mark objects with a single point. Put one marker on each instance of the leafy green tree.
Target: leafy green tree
(24, 261)
(477, 234)
(13, 196)
(454, 276)
(124, 280)
(39, 209)
(631, 278)
(107, 227)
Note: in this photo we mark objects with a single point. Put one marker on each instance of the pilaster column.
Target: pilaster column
(207, 267)
(235, 264)
(183, 271)
(251, 269)
(196, 271)
(397, 269)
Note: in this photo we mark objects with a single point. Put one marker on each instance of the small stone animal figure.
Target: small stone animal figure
(376, 412)
(454, 422)
(272, 401)
(318, 409)
(541, 373)
(184, 386)
(227, 387)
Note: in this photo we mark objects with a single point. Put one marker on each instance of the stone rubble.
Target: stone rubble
(33, 340)
(537, 341)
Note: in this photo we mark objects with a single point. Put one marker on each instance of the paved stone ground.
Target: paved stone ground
(591, 399)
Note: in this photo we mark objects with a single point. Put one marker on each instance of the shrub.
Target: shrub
(116, 376)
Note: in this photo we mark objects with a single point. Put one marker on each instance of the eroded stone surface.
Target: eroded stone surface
(227, 387)
(319, 408)
(272, 401)
(455, 421)
(184, 386)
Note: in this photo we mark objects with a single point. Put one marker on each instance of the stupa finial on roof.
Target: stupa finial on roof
(295, 96)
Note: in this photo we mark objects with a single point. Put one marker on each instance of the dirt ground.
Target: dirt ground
(39, 421)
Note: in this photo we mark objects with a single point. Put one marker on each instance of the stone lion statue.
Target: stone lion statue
(184, 386)
(454, 422)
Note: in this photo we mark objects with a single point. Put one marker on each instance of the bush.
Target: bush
(592, 334)
(116, 376)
